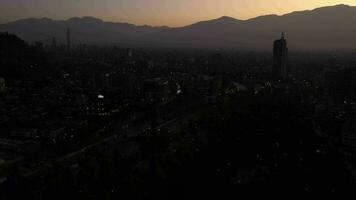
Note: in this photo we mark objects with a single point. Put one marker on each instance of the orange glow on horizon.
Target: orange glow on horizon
(199, 10)
(157, 12)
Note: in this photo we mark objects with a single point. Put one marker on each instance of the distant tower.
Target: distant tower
(280, 56)
(107, 81)
(129, 53)
(54, 42)
(68, 38)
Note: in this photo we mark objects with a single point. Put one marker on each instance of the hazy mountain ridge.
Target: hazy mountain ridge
(325, 28)
(83, 30)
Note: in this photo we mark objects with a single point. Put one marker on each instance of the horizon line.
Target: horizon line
(167, 26)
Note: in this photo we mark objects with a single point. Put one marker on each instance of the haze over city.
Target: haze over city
(212, 99)
(171, 13)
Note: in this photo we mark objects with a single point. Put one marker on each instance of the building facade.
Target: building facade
(280, 58)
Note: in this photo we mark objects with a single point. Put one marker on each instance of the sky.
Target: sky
(172, 13)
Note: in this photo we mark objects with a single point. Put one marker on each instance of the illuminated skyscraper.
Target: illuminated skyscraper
(280, 57)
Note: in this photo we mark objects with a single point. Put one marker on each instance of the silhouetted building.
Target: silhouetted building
(107, 81)
(94, 105)
(280, 57)
(103, 81)
(54, 42)
(129, 53)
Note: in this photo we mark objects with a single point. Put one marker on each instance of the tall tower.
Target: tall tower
(68, 38)
(280, 58)
(54, 42)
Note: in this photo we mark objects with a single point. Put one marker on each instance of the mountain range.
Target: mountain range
(325, 28)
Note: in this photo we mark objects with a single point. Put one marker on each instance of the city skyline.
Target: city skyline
(213, 99)
(175, 13)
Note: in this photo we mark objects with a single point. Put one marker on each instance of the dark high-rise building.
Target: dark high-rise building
(54, 42)
(280, 56)
(68, 38)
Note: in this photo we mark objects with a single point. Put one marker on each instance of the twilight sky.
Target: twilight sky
(155, 12)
